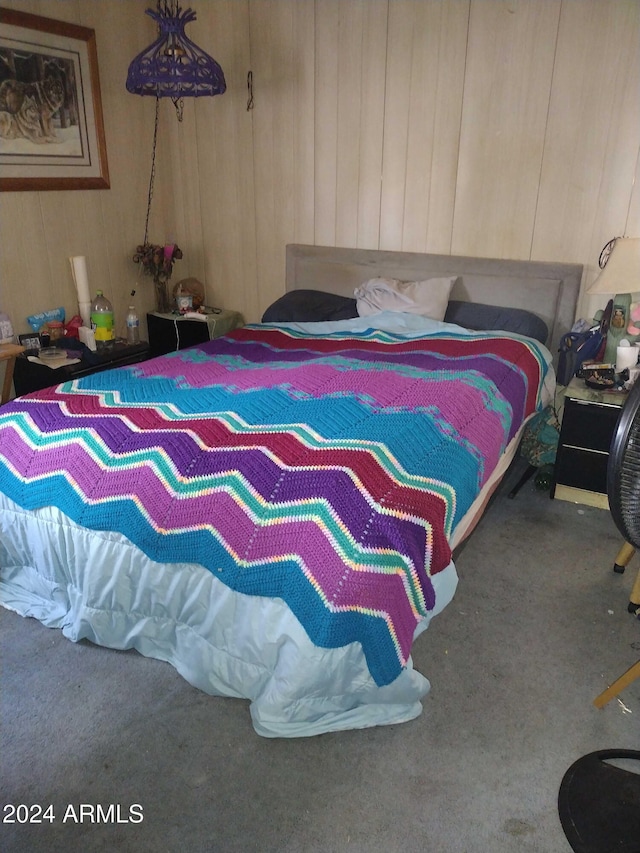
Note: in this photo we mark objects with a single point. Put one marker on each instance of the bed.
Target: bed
(274, 512)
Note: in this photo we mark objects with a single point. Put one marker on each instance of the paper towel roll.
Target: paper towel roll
(626, 357)
(79, 272)
(85, 313)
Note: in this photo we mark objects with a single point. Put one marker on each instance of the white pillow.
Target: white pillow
(429, 297)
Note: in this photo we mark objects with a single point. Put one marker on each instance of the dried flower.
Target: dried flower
(157, 261)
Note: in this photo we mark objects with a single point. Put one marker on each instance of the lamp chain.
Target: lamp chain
(153, 173)
(178, 103)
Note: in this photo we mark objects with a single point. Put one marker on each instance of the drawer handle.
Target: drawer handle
(587, 449)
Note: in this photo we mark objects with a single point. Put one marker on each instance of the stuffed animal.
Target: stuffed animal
(633, 327)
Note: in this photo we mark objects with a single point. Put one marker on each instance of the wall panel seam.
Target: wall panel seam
(546, 130)
(464, 88)
(384, 125)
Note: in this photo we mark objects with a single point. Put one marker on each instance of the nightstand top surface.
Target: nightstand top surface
(577, 390)
(223, 313)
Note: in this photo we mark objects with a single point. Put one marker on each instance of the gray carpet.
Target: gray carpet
(538, 628)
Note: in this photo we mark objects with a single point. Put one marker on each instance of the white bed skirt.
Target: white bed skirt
(98, 586)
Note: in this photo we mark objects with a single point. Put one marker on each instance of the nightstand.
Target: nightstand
(30, 376)
(588, 424)
(170, 332)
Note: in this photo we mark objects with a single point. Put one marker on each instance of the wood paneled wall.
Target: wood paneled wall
(41, 230)
(506, 128)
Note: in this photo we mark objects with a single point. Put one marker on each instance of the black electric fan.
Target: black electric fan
(623, 486)
(623, 471)
(599, 798)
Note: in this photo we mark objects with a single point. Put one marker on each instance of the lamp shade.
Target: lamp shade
(173, 66)
(622, 271)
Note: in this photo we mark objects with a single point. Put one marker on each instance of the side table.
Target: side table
(171, 332)
(30, 376)
(588, 424)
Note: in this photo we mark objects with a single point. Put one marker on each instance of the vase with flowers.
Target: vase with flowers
(157, 261)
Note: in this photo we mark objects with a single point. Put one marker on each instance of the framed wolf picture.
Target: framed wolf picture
(51, 125)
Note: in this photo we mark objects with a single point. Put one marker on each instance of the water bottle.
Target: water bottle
(133, 326)
(102, 320)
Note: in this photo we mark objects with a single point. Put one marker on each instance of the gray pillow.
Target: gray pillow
(310, 306)
(492, 318)
(315, 306)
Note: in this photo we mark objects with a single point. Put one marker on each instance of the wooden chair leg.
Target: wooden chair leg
(8, 353)
(624, 556)
(634, 598)
(618, 685)
(8, 379)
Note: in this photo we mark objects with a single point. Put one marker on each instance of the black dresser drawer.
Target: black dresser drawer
(171, 332)
(169, 335)
(588, 425)
(582, 469)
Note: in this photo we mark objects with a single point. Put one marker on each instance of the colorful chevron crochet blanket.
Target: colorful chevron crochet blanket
(326, 470)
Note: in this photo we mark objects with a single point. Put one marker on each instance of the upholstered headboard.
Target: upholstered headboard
(548, 289)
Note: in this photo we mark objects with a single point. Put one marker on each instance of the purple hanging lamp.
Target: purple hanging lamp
(172, 67)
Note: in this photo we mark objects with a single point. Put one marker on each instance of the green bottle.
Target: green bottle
(544, 478)
(102, 320)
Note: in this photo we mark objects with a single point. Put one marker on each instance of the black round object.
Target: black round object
(599, 803)
(623, 470)
(599, 384)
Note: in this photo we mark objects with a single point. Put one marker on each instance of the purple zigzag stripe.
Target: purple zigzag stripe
(464, 410)
(464, 407)
(240, 376)
(478, 425)
(290, 536)
(260, 472)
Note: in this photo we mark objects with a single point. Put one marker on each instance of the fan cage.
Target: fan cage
(623, 472)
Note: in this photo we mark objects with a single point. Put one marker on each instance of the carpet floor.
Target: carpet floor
(539, 626)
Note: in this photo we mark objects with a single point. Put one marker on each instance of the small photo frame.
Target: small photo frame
(31, 342)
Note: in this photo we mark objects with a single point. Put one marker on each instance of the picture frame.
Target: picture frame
(51, 123)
